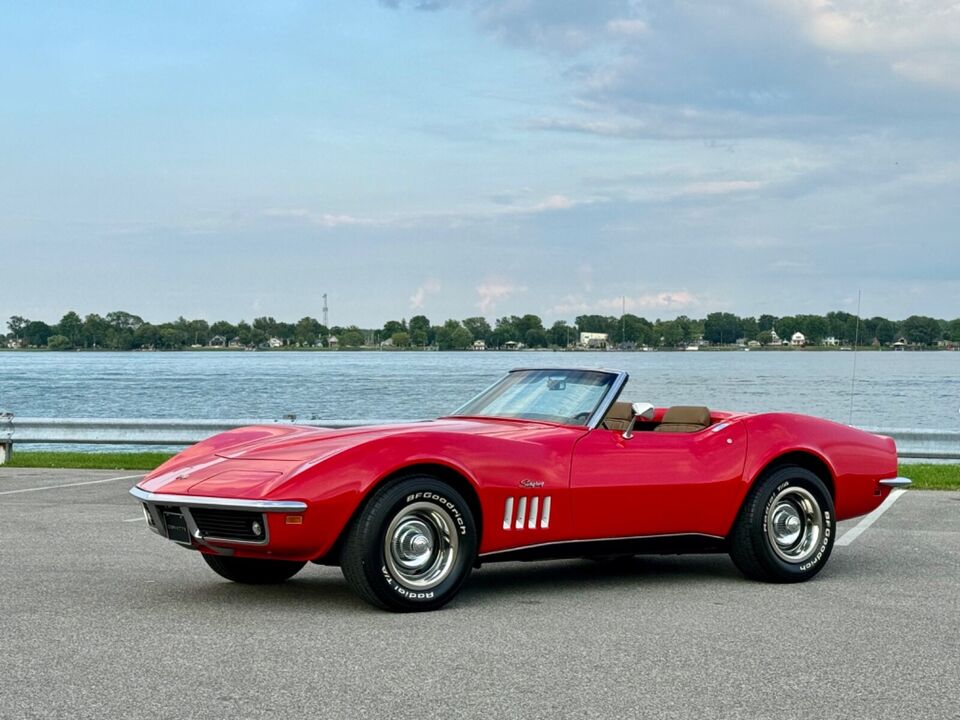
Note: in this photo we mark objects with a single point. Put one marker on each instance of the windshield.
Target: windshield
(569, 397)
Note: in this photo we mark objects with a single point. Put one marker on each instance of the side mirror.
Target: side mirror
(644, 411)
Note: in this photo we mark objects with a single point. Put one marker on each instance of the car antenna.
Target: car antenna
(856, 341)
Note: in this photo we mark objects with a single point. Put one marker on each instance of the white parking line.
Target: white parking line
(855, 532)
(68, 485)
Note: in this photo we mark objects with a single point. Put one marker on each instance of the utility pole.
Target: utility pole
(326, 313)
(623, 323)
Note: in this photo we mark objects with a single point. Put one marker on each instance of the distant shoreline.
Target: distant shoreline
(592, 351)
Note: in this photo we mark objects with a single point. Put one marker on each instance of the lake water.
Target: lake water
(893, 390)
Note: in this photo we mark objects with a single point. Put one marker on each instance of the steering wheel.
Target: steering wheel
(581, 418)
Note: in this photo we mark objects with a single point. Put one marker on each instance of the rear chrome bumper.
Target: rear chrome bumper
(897, 482)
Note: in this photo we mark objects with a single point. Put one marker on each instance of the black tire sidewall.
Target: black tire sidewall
(373, 527)
(777, 481)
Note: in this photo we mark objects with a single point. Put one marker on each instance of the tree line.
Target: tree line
(124, 331)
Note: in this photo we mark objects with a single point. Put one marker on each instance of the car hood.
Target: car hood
(302, 443)
(256, 460)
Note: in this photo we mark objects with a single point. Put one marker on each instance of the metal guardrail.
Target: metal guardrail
(917, 444)
(912, 444)
(133, 431)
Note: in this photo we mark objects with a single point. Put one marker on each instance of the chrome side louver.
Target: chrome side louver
(525, 512)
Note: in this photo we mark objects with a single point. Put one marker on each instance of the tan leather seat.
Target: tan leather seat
(684, 419)
(618, 417)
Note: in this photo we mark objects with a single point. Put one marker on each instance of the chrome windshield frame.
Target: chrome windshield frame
(608, 400)
(613, 392)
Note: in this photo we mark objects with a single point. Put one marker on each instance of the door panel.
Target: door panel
(657, 483)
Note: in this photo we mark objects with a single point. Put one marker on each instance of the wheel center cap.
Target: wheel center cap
(792, 523)
(419, 544)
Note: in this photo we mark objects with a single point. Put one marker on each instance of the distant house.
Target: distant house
(774, 338)
(387, 343)
(831, 341)
(900, 344)
(753, 343)
(594, 341)
(235, 343)
(479, 345)
(13, 344)
(798, 339)
(512, 345)
(333, 342)
(218, 341)
(275, 342)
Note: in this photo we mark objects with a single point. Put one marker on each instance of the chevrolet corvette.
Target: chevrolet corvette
(546, 463)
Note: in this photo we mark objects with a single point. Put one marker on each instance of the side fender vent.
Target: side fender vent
(527, 513)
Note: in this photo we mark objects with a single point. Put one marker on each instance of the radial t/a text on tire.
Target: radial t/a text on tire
(786, 527)
(412, 546)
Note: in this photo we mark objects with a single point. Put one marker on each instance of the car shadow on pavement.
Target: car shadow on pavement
(307, 589)
(325, 589)
(640, 571)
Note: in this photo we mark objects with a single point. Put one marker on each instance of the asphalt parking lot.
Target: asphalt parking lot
(101, 618)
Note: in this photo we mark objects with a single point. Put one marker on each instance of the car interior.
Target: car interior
(677, 419)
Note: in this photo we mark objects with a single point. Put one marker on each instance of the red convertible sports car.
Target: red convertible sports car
(546, 463)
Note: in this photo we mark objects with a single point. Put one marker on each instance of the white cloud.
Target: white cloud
(917, 39)
(554, 202)
(720, 187)
(627, 26)
(939, 69)
(326, 220)
(662, 301)
(430, 287)
(492, 292)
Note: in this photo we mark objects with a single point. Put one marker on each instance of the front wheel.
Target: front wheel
(786, 527)
(412, 547)
(250, 571)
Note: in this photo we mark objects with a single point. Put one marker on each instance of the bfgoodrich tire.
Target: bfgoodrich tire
(786, 527)
(412, 546)
(253, 572)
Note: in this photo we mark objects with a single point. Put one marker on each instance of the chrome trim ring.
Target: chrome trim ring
(795, 524)
(292, 506)
(421, 545)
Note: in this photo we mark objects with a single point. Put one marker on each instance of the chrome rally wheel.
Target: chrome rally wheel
(786, 526)
(412, 546)
(421, 545)
(794, 524)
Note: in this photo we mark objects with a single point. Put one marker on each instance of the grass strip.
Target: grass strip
(932, 477)
(925, 477)
(88, 460)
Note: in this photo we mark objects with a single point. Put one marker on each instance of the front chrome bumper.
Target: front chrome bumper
(897, 482)
(157, 506)
(291, 506)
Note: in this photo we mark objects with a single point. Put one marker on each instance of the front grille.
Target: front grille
(230, 524)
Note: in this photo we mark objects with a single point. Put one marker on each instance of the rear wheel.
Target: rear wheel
(253, 572)
(786, 527)
(412, 547)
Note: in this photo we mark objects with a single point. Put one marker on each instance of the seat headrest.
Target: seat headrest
(687, 415)
(620, 411)
(684, 419)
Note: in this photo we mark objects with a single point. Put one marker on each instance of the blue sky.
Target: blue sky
(455, 158)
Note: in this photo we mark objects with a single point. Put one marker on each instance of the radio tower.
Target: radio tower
(326, 312)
